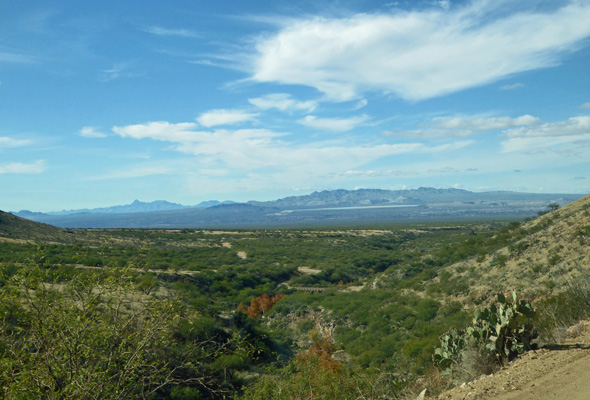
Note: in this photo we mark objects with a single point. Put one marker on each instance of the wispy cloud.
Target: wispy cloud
(419, 54)
(158, 30)
(118, 71)
(282, 102)
(246, 151)
(16, 58)
(112, 73)
(91, 132)
(585, 106)
(224, 117)
(512, 86)
(484, 123)
(574, 133)
(362, 103)
(137, 171)
(8, 142)
(21, 168)
(574, 126)
(333, 124)
(161, 130)
(464, 126)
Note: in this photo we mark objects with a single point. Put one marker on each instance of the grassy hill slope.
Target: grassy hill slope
(543, 255)
(16, 229)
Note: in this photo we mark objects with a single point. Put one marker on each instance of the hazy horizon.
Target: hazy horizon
(230, 201)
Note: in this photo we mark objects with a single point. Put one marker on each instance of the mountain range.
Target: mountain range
(330, 207)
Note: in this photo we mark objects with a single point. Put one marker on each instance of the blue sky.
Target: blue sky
(105, 102)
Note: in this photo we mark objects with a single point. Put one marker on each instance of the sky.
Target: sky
(104, 102)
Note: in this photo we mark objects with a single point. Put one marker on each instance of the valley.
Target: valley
(372, 302)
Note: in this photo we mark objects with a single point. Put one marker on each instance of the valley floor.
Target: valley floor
(553, 372)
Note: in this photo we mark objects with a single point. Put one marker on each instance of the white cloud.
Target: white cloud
(112, 73)
(117, 71)
(157, 30)
(161, 130)
(224, 117)
(464, 126)
(10, 142)
(484, 123)
(574, 126)
(512, 86)
(282, 102)
(376, 173)
(570, 136)
(585, 106)
(20, 168)
(360, 104)
(419, 54)
(91, 132)
(568, 144)
(430, 133)
(333, 124)
(264, 158)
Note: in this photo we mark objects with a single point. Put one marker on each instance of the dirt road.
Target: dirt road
(554, 372)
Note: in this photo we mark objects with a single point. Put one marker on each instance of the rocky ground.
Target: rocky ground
(553, 372)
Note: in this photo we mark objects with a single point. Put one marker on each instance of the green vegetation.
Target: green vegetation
(504, 329)
(98, 336)
(263, 314)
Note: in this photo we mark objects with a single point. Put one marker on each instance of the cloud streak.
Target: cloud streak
(570, 136)
(8, 142)
(282, 102)
(465, 126)
(91, 132)
(244, 153)
(333, 124)
(418, 55)
(224, 117)
(158, 30)
(22, 168)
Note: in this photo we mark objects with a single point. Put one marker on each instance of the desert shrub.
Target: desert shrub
(562, 310)
(500, 260)
(315, 375)
(98, 336)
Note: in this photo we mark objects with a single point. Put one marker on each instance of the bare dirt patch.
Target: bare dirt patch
(308, 270)
(553, 372)
(242, 254)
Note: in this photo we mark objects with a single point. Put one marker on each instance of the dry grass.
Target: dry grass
(542, 261)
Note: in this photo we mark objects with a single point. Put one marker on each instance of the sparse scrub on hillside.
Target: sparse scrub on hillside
(562, 310)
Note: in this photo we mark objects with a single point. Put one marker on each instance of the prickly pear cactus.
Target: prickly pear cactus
(451, 345)
(505, 329)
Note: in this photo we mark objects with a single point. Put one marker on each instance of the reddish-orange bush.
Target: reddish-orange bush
(261, 304)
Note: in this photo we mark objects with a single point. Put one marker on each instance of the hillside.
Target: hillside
(16, 229)
(543, 255)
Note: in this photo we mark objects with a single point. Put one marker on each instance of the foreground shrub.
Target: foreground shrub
(503, 330)
(316, 375)
(97, 336)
